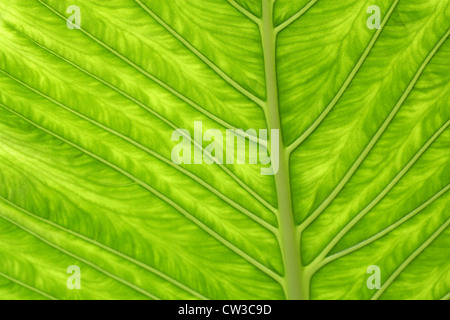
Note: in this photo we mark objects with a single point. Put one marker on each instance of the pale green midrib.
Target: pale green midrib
(294, 145)
(27, 286)
(141, 264)
(192, 176)
(250, 95)
(317, 261)
(385, 231)
(87, 262)
(410, 259)
(154, 79)
(263, 268)
(293, 285)
(446, 297)
(374, 139)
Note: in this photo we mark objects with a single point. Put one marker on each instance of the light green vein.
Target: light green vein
(293, 286)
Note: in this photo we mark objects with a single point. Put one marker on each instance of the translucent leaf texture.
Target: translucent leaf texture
(86, 177)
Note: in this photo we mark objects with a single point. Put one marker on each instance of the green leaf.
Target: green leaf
(86, 176)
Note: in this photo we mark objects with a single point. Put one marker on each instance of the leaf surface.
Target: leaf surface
(86, 176)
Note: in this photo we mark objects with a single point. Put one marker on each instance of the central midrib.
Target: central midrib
(289, 243)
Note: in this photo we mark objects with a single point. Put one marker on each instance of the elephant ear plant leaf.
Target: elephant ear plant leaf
(358, 207)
